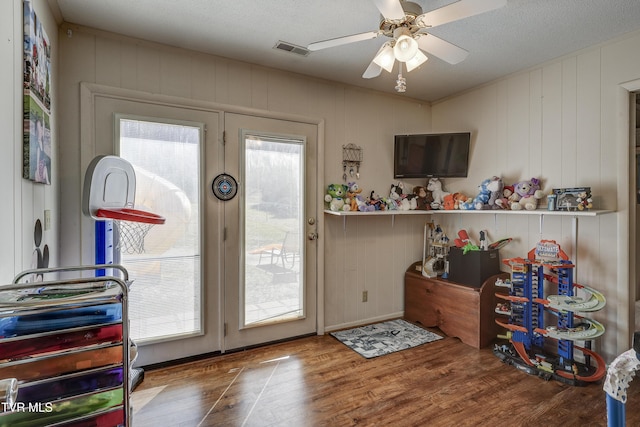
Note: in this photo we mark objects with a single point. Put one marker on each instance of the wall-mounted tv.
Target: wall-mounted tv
(441, 155)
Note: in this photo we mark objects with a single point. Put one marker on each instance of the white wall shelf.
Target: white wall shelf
(541, 213)
(538, 212)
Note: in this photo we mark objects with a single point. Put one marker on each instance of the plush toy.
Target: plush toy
(435, 186)
(335, 197)
(362, 204)
(376, 201)
(452, 201)
(527, 193)
(459, 198)
(401, 201)
(353, 191)
(481, 198)
(504, 202)
(413, 201)
(584, 201)
(467, 205)
(496, 187)
(390, 204)
(424, 198)
(449, 202)
(489, 191)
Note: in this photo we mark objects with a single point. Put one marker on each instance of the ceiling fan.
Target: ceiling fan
(407, 26)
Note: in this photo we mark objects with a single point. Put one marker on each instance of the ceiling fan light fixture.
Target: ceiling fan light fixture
(385, 57)
(406, 46)
(418, 59)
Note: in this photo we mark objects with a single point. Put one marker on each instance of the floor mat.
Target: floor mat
(384, 338)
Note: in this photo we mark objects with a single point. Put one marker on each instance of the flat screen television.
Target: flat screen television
(440, 155)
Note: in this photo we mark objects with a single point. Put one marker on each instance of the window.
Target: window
(166, 295)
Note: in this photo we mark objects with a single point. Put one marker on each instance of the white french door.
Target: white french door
(243, 271)
(174, 301)
(270, 245)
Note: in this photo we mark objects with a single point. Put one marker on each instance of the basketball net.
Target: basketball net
(131, 236)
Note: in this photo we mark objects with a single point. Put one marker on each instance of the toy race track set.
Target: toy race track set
(522, 314)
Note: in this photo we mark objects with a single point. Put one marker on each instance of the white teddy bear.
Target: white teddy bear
(435, 186)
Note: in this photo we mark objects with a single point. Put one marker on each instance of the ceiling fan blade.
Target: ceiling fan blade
(342, 40)
(442, 49)
(390, 9)
(458, 10)
(373, 70)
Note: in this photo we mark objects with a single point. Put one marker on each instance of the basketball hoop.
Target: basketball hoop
(133, 225)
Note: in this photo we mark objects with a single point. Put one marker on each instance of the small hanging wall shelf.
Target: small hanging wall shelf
(351, 158)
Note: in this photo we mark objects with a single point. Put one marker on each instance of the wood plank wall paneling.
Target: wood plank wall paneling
(536, 159)
(148, 70)
(128, 68)
(568, 111)
(109, 62)
(24, 200)
(71, 218)
(588, 124)
(551, 122)
(203, 78)
(10, 123)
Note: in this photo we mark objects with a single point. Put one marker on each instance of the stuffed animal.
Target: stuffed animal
(584, 201)
(353, 191)
(401, 201)
(481, 198)
(496, 187)
(376, 201)
(413, 201)
(459, 198)
(424, 198)
(448, 203)
(390, 204)
(362, 204)
(489, 191)
(504, 202)
(452, 201)
(435, 186)
(356, 201)
(335, 197)
(527, 195)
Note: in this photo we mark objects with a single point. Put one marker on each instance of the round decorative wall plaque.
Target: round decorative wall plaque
(224, 187)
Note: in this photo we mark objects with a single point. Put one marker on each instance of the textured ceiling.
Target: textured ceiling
(522, 34)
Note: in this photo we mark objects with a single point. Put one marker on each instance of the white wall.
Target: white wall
(23, 202)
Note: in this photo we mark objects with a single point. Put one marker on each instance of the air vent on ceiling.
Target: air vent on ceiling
(292, 48)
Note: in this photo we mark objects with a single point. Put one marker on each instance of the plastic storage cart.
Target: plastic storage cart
(65, 352)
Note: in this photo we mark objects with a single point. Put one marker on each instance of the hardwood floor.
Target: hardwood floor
(317, 381)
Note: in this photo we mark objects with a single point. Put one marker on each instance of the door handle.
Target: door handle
(312, 236)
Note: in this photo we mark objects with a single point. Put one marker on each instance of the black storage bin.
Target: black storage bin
(474, 267)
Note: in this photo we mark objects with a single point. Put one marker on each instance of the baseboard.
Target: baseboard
(362, 322)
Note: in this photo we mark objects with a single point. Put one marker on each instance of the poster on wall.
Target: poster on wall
(37, 99)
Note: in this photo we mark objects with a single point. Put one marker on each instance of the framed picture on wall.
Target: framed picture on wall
(36, 99)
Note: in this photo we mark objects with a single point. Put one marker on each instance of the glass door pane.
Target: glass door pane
(273, 230)
(166, 295)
